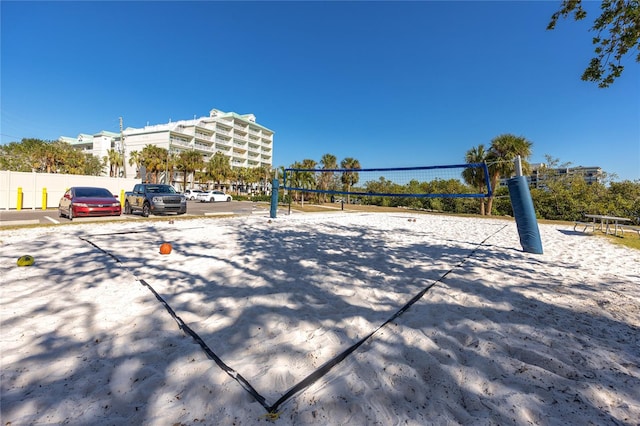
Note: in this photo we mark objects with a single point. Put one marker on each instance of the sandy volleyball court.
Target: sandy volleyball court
(104, 330)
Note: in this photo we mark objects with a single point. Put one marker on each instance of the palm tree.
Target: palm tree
(265, 176)
(474, 176)
(241, 176)
(328, 161)
(134, 159)
(307, 178)
(188, 162)
(502, 153)
(350, 178)
(219, 168)
(115, 161)
(154, 159)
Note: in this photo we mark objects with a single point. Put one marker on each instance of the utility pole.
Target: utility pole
(124, 160)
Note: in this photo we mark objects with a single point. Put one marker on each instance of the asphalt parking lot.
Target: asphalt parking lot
(194, 209)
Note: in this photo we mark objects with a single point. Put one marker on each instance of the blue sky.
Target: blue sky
(389, 83)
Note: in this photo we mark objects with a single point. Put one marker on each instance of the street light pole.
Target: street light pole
(166, 166)
(124, 159)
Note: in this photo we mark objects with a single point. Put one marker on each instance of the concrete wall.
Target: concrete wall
(32, 185)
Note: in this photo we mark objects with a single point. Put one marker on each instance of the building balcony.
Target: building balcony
(238, 150)
(180, 142)
(205, 148)
(203, 136)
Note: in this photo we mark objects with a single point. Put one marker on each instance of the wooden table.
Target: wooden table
(606, 221)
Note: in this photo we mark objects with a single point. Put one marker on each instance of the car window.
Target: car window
(92, 192)
(165, 189)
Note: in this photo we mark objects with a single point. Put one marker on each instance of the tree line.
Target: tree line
(560, 196)
(35, 155)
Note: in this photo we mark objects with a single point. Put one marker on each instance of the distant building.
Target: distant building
(589, 174)
(539, 171)
(244, 142)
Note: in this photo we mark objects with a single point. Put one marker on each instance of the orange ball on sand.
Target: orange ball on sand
(165, 248)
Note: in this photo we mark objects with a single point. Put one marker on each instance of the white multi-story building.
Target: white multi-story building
(243, 141)
(539, 174)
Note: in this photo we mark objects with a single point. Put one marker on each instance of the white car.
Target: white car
(213, 196)
(192, 194)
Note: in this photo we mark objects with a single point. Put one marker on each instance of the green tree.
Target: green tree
(265, 174)
(502, 153)
(326, 180)
(294, 179)
(92, 166)
(155, 160)
(189, 162)
(48, 157)
(617, 32)
(22, 156)
(240, 175)
(349, 178)
(308, 178)
(114, 158)
(219, 168)
(134, 160)
(474, 176)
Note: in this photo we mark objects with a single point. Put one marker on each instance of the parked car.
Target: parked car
(151, 198)
(81, 201)
(192, 194)
(213, 196)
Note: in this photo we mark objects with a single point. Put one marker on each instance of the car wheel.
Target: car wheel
(146, 209)
(70, 214)
(228, 199)
(127, 208)
(60, 212)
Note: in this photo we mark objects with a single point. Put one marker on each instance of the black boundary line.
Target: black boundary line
(187, 330)
(230, 371)
(317, 374)
(137, 232)
(326, 367)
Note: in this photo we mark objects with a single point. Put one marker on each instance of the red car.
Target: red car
(86, 201)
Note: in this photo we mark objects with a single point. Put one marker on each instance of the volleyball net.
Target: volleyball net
(469, 180)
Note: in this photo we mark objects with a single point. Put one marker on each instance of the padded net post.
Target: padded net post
(274, 198)
(525, 215)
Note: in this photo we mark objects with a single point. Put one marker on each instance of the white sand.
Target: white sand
(506, 337)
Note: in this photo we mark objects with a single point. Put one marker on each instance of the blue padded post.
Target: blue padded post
(525, 215)
(274, 198)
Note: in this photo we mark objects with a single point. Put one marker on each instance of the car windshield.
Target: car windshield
(93, 193)
(161, 189)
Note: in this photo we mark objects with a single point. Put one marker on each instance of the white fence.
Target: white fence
(35, 185)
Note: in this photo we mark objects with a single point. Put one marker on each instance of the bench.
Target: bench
(629, 228)
(585, 225)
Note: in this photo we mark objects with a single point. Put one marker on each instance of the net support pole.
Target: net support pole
(274, 198)
(524, 212)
